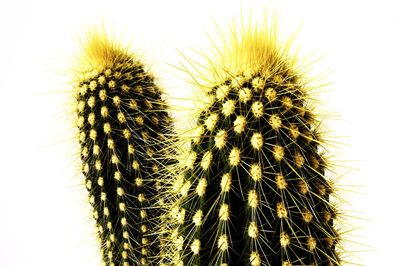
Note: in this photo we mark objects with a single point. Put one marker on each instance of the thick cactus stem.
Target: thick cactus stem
(254, 190)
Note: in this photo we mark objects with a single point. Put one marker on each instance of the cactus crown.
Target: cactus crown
(254, 190)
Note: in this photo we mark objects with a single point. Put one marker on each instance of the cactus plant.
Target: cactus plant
(254, 189)
(123, 133)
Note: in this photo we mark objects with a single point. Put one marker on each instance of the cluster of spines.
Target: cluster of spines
(123, 132)
(254, 190)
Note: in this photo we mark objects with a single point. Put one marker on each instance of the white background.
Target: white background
(44, 218)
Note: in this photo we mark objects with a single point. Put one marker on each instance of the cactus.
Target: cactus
(254, 189)
(123, 133)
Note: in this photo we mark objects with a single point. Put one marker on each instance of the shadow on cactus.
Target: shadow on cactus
(124, 129)
(254, 189)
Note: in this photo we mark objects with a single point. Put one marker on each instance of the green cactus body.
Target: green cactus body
(123, 129)
(254, 190)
